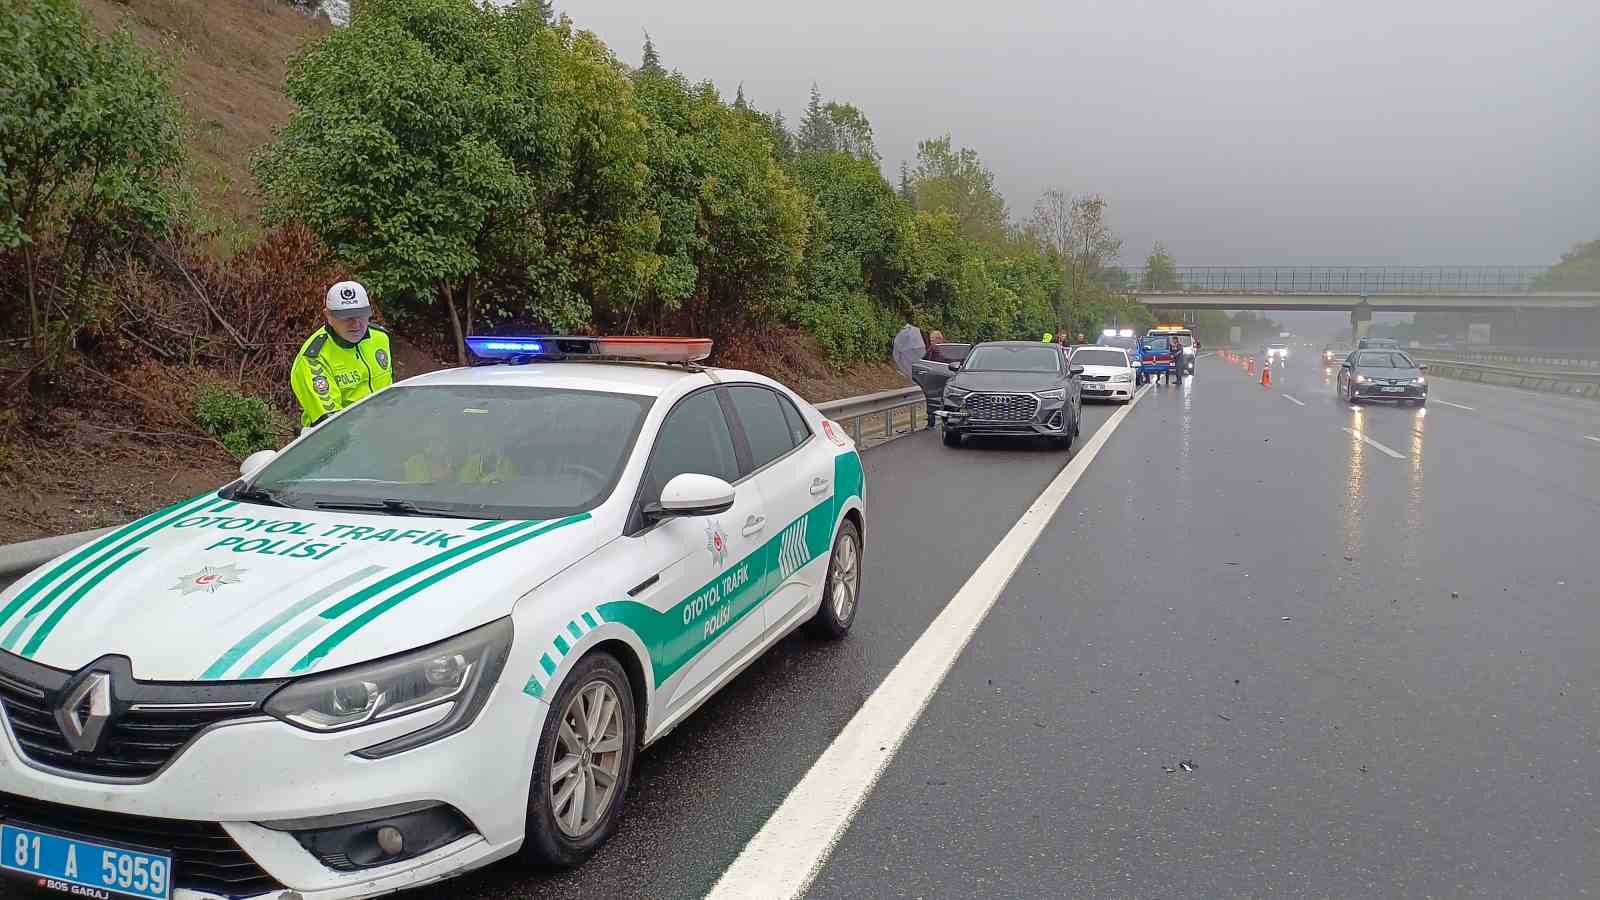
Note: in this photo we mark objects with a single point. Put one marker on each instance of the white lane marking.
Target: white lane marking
(1456, 405)
(1374, 443)
(786, 854)
(1590, 437)
(1293, 400)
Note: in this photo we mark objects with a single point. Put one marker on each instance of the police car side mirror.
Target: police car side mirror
(692, 494)
(253, 463)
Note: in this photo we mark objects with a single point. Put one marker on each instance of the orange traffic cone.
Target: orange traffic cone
(1266, 375)
(1250, 365)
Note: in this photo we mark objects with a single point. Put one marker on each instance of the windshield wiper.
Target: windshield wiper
(393, 507)
(258, 495)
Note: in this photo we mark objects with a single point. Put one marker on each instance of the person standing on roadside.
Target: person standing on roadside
(908, 348)
(344, 360)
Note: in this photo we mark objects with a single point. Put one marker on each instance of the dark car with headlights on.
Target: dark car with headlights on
(1018, 388)
(1383, 375)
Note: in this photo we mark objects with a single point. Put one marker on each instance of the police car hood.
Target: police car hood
(213, 590)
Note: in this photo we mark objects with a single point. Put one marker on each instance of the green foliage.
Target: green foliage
(848, 271)
(732, 224)
(1578, 270)
(242, 423)
(89, 144)
(436, 141)
(957, 181)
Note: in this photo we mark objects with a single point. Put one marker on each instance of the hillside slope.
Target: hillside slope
(232, 56)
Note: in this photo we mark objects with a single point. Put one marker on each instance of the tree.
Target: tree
(782, 140)
(816, 127)
(907, 193)
(1160, 270)
(1093, 245)
(1578, 270)
(435, 143)
(956, 180)
(851, 131)
(732, 225)
(738, 101)
(651, 63)
(89, 145)
(848, 277)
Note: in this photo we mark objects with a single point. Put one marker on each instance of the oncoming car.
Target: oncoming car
(431, 633)
(1382, 375)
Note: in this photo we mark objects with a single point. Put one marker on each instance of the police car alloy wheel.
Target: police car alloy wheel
(838, 610)
(584, 765)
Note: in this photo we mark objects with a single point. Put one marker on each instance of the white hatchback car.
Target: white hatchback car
(1107, 373)
(431, 633)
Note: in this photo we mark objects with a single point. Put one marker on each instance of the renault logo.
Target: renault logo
(84, 712)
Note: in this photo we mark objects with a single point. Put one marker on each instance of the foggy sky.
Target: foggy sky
(1251, 132)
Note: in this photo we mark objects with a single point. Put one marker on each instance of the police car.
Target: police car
(431, 633)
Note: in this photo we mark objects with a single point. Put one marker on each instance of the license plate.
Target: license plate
(84, 868)
(1393, 390)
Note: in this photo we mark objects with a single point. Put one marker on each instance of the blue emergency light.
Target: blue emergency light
(497, 346)
(530, 348)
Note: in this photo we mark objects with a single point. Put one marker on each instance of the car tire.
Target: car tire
(548, 842)
(841, 593)
(1350, 392)
(952, 438)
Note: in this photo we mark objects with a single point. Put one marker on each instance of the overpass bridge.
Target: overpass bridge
(1360, 290)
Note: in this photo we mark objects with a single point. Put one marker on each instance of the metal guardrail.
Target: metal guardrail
(1493, 280)
(851, 412)
(1557, 360)
(854, 413)
(1557, 381)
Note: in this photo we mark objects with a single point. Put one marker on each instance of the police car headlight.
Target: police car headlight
(461, 671)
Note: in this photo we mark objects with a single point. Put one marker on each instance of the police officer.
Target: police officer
(344, 360)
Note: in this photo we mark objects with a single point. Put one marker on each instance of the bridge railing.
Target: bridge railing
(1353, 280)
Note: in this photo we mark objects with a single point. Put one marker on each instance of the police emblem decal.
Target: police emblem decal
(716, 543)
(208, 579)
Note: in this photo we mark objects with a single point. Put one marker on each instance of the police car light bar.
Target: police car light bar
(1126, 332)
(1108, 332)
(555, 347)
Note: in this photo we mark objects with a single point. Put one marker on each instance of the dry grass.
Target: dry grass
(232, 58)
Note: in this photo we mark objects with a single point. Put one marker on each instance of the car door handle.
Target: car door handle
(818, 485)
(753, 525)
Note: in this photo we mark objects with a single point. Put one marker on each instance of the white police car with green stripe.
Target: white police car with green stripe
(431, 633)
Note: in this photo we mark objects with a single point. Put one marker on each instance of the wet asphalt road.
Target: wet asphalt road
(1383, 670)
(698, 795)
(1382, 667)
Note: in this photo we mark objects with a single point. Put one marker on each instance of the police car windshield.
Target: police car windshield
(487, 451)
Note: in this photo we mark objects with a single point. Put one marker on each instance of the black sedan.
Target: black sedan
(1383, 375)
(1013, 388)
